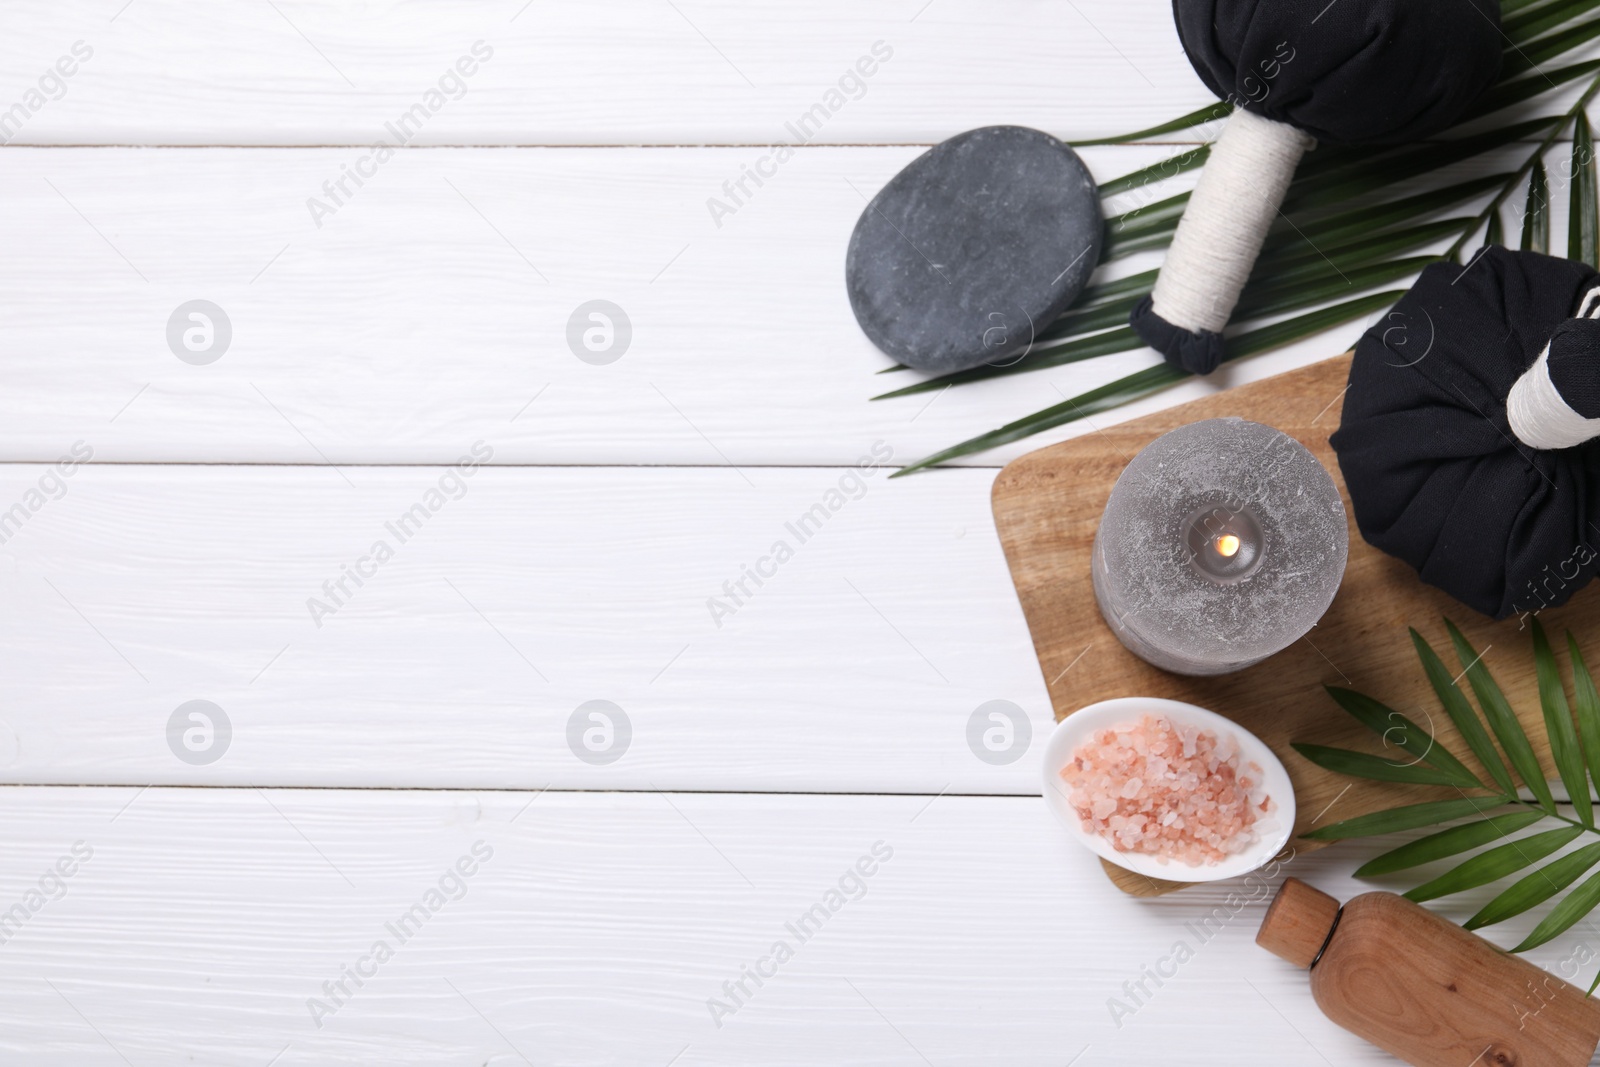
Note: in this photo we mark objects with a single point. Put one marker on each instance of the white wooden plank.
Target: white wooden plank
(429, 313)
(432, 310)
(856, 665)
(601, 926)
(626, 72)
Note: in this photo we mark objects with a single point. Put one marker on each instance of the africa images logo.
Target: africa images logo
(336, 192)
(851, 85)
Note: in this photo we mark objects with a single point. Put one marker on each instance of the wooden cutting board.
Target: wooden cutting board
(1047, 506)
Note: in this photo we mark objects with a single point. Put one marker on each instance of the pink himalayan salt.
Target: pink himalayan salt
(1170, 791)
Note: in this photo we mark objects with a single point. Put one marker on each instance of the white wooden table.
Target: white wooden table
(386, 735)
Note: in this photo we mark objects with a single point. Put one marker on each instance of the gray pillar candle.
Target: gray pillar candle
(1223, 542)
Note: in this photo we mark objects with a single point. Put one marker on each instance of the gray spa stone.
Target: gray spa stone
(974, 248)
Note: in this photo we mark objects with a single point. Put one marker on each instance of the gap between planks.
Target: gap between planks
(399, 464)
(624, 145)
(516, 790)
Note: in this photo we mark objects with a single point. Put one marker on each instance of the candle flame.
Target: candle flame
(1228, 545)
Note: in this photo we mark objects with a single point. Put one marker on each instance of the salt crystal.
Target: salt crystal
(1134, 787)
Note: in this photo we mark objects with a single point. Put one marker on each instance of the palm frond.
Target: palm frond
(1151, 380)
(1373, 768)
(1586, 703)
(1534, 889)
(1502, 720)
(1451, 842)
(1525, 57)
(1410, 817)
(1496, 843)
(1558, 726)
(1507, 94)
(1348, 215)
(1209, 113)
(1461, 714)
(1170, 167)
(1497, 862)
(1527, 24)
(1346, 240)
(1395, 729)
(1574, 906)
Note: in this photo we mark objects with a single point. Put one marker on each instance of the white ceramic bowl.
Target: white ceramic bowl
(1272, 831)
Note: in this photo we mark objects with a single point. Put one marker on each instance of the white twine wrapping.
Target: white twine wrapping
(1226, 221)
(1538, 415)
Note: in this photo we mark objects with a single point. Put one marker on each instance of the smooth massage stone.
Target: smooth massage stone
(974, 248)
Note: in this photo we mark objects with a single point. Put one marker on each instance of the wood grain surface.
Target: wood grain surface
(207, 921)
(693, 72)
(429, 312)
(1047, 507)
(458, 661)
(432, 310)
(1437, 996)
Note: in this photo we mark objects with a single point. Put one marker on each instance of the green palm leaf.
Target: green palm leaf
(1365, 176)
(1495, 863)
(1209, 113)
(1558, 726)
(1043, 354)
(1163, 214)
(1360, 250)
(1321, 285)
(1583, 227)
(1101, 317)
(1305, 227)
(1507, 93)
(1574, 906)
(1150, 380)
(1536, 215)
(1277, 280)
(1528, 25)
(1573, 731)
(1410, 817)
(1288, 284)
(1142, 282)
(1502, 720)
(1157, 235)
(1547, 48)
(1342, 197)
(1461, 714)
(1536, 888)
(1586, 701)
(1170, 167)
(1374, 218)
(1334, 246)
(1112, 395)
(1395, 729)
(1373, 768)
(1451, 842)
